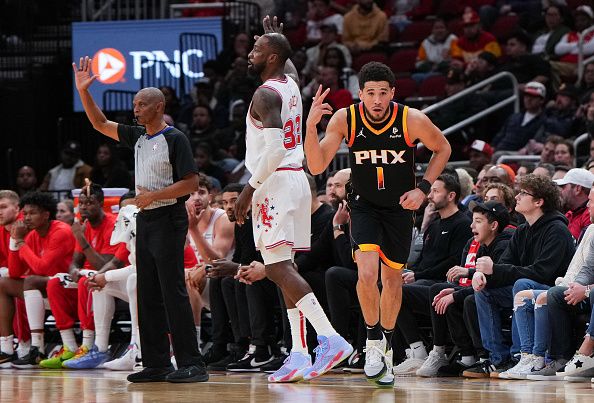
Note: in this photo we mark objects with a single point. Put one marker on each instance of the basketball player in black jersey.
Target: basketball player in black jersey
(382, 137)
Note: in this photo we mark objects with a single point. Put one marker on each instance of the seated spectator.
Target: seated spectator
(348, 76)
(524, 169)
(241, 48)
(587, 84)
(365, 26)
(202, 129)
(567, 48)
(584, 117)
(69, 174)
(26, 180)
(238, 84)
(547, 155)
(69, 304)
(338, 97)
(108, 172)
(65, 211)
(575, 188)
(205, 164)
(316, 54)
(565, 154)
(498, 192)
(172, 104)
(520, 127)
(435, 51)
(525, 66)
(484, 66)
(479, 155)
(556, 27)
(544, 169)
(40, 248)
(539, 252)
(481, 183)
(489, 221)
(474, 40)
(560, 171)
(231, 139)
(442, 243)
(499, 174)
(559, 116)
(319, 13)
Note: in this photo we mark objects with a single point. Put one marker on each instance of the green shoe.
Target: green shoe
(80, 352)
(55, 362)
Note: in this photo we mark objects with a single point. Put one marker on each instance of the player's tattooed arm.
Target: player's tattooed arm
(267, 106)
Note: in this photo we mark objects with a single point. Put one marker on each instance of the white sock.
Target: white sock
(68, 339)
(131, 290)
(88, 338)
(298, 330)
(439, 349)
(7, 344)
(37, 341)
(468, 360)
(23, 348)
(418, 350)
(35, 309)
(103, 309)
(314, 313)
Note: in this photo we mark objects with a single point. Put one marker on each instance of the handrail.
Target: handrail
(513, 98)
(512, 158)
(582, 138)
(581, 62)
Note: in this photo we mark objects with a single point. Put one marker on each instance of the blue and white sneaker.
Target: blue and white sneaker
(92, 359)
(293, 368)
(329, 353)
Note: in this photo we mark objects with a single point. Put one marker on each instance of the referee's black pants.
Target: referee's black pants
(163, 304)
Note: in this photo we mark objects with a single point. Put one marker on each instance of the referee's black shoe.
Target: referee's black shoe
(151, 375)
(191, 373)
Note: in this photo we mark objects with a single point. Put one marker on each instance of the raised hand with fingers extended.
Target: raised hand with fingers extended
(82, 73)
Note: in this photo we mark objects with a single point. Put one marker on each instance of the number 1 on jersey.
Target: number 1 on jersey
(380, 178)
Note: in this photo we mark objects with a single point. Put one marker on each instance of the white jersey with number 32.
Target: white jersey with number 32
(291, 116)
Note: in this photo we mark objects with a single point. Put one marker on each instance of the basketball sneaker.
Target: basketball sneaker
(387, 379)
(82, 350)
(375, 360)
(7, 359)
(130, 361)
(330, 352)
(295, 365)
(90, 360)
(356, 364)
(275, 364)
(29, 361)
(432, 364)
(252, 361)
(56, 360)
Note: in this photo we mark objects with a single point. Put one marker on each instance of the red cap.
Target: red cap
(483, 147)
(510, 172)
(470, 17)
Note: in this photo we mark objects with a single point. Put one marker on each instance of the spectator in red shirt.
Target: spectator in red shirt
(93, 250)
(40, 247)
(9, 213)
(475, 40)
(575, 188)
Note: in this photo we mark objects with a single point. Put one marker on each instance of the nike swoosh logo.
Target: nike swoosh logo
(255, 363)
(444, 232)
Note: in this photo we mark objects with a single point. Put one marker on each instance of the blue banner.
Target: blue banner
(123, 51)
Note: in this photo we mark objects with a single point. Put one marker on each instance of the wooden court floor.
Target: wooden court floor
(105, 386)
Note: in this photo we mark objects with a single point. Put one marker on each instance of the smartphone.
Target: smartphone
(207, 268)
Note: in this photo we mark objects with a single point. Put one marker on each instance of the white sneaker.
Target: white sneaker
(387, 380)
(524, 364)
(409, 366)
(579, 366)
(130, 361)
(375, 364)
(432, 364)
(548, 372)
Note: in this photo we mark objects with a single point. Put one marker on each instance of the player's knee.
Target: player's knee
(368, 278)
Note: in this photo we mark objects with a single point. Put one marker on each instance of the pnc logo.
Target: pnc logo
(109, 64)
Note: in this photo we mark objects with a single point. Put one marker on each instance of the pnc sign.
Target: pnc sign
(124, 52)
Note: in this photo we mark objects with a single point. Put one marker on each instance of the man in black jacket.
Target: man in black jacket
(538, 253)
(490, 238)
(444, 240)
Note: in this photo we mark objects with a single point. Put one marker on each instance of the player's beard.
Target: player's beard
(372, 119)
(256, 69)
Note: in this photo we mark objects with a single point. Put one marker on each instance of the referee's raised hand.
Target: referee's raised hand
(82, 73)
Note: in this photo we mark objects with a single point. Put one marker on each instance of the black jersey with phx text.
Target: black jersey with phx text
(381, 155)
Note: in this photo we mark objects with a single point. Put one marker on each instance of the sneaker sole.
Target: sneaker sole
(244, 370)
(354, 370)
(25, 366)
(544, 378)
(474, 375)
(575, 379)
(385, 384)
(338, 358)
(378, 376)
(192, 379)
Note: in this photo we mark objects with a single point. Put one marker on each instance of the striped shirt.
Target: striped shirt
(160, 160)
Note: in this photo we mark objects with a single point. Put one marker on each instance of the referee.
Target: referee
(165, 175)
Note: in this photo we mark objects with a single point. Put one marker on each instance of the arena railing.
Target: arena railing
(513, 99)
(581, 61)
(518, 158)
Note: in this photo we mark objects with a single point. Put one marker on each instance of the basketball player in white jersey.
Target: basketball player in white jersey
(280, 200)
(211, 236)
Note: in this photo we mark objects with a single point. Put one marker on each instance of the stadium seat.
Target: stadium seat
(504, 26)
(394, 34)
(403, 61)
(433, 86)
(365, 58)
(416, 31)
(405, 87)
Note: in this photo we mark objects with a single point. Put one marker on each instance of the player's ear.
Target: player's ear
(393, 91)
